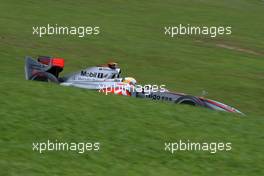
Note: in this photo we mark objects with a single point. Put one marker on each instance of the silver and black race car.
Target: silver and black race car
(107, 78)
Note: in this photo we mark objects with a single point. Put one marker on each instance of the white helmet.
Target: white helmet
(129, 80)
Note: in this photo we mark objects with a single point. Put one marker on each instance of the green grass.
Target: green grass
(132, 131)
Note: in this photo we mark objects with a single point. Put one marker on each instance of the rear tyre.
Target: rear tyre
(190, 100)
(45, 77)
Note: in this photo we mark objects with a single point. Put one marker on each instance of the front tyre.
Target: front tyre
(190, 100)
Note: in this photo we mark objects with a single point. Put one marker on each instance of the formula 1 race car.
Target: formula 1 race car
(107, 79)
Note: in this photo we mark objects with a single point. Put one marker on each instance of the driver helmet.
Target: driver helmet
(129, 80)
(112, 65)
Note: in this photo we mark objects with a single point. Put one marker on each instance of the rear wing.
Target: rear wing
(43, 64)
(32, 67)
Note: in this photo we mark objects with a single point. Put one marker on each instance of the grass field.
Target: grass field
(132, 131)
